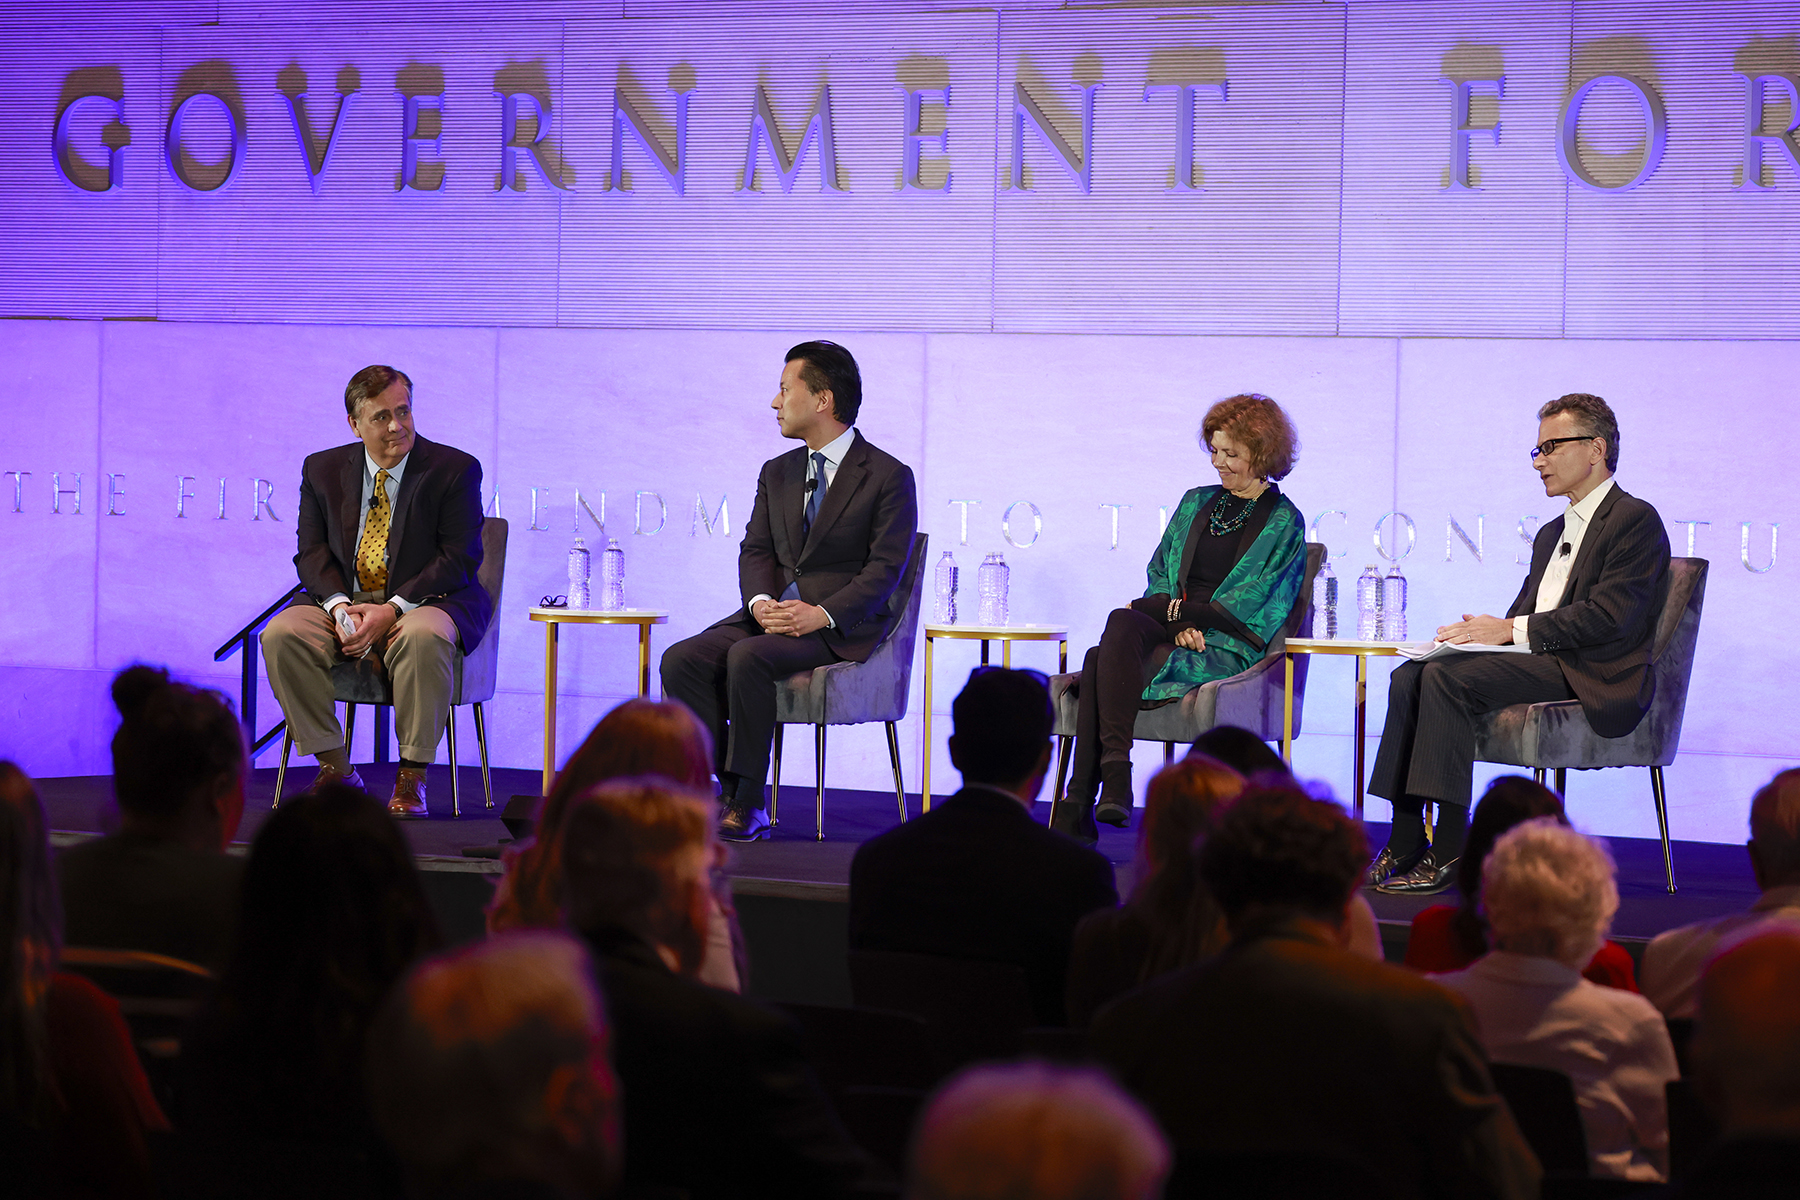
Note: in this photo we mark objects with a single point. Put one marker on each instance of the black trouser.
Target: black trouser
(1428, 743)
(727, 676)
(1113, 677)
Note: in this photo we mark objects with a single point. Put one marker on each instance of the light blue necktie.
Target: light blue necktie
(815, 497)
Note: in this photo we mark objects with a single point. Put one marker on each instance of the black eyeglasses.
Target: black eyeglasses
(554, 602)
(1553, 443)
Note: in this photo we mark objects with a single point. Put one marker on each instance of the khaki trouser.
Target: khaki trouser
(422, 662)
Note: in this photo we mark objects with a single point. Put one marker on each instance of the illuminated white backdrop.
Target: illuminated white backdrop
(1001, 213)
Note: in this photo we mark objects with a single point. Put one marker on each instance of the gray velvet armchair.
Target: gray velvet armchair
(849, 693)
(1557, 736)
(1251, 699)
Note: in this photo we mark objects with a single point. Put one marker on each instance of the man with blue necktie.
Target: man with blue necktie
(828, 541)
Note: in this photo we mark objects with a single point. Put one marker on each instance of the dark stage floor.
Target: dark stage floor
(1714, 879)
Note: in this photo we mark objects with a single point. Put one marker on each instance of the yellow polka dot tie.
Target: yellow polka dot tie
(371, 554)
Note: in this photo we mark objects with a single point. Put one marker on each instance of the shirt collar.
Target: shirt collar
(1583, 509)
(839, 446)
(394, 472)
(1524, 968)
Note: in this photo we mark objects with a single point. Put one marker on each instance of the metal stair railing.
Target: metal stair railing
(246, 640)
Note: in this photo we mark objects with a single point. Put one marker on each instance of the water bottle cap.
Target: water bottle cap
(580, 545)
(612, 543)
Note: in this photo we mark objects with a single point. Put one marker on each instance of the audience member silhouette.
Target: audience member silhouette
(1674, 959)
(272, 1095)
(719, 1098)
(1170, 920)
(1746, 1055)
(75, 1106)
(489, 1075)
(976, 877)
(1550, 896)
(1294, 1066)
(639, 737)
(164, 883)
(1240, 750)
(1031, 1130)
(1448, 937)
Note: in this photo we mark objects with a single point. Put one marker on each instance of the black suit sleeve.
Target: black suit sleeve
(1475, 1148)
(1624, 596)
(895, 524)
(458, 537)
(759, 571)
(318, 567)
(797, 1136)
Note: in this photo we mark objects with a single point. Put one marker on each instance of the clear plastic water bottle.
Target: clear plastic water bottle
(1393, 605)
(1368, 604)
(946, 590)
(992, 578)
(612, 577)
(579, 566)
(1325, 602)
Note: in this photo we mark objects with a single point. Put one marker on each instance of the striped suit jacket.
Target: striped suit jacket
(1601, 632)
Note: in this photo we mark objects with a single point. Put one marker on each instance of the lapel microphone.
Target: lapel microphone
(813, 484)
(1564, 552)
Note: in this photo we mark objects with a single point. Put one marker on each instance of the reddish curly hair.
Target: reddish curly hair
(1263, 428)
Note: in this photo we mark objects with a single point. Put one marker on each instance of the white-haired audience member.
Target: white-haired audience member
(1549, 895)
(1747, 1069)
(1674, 960)
(488, 1073)
(1005, 1132)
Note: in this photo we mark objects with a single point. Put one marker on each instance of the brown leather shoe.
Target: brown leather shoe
(330, 775)
(409, 793)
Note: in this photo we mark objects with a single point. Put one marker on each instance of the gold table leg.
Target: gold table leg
(644, 660)
(1287, 710)
(1362, 728)
(550, 628)
(1062, 657)
(1006, 654)
(925, 766)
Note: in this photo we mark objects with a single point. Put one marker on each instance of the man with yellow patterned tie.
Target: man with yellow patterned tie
(390, 542)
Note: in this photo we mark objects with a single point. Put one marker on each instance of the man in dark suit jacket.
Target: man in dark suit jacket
(390, 543)
(828, 541)
(1587, 612)
(977, 878)
(720, 1100)
(1289, 1065)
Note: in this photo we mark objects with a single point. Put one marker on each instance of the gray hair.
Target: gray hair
(467, 1048)
(1549, 891)
(1031, 1129)
(370, 382)
(1593, 416)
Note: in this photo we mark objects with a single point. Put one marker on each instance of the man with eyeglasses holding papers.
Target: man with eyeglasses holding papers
(1586, 616)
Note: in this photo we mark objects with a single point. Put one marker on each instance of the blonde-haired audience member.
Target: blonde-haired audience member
(489, 1075)
(1033, 1130)
(1549, 895)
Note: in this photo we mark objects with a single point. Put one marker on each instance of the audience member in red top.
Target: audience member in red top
(1448, 937)
(74, 1103)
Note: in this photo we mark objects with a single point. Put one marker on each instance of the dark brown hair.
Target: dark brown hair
(177, 746)
(1261, 425)
(1279, 849)
(1509, 800)
(371, 382)
(1182, 806)
(1593, 416)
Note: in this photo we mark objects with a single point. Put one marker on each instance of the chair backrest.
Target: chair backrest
(1672, 653)
(1258, 708)
(157, 995)
(1543, 1103)
(892, 660)
(866, 1047)
(973, 1009)
(1692, 1128)
(480, 668)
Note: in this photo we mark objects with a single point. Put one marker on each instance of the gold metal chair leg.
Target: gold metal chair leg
(1537, 775)
(287, 745)
(1062, 773)
(894, 756)
(775, 785)
(455, 775)
(1168, 753)
(819, 795)
(1662, 823)
(1562, 781)
(349, 729)
(487, 783)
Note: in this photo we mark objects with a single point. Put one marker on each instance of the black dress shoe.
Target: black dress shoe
(1075, 818)
(1426, 878)
(741, 823)
(1113, 813)
(1388, 864)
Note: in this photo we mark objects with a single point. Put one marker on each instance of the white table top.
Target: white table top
(654, 616)
(996, 632)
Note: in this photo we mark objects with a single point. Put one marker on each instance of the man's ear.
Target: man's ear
(827, 402)
(955, 753)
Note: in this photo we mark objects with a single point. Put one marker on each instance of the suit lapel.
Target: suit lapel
(1542, 546)
(850, 474)
(791, 502)
(417, 463)
(350, 481)
(1590, 543)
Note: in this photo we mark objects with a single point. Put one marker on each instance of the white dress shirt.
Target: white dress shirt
(834, 452)
(1556, 574)
(362, 520)
(1675, 959)
(1613, 1044)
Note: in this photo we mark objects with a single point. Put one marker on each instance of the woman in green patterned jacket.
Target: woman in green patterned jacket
(1221, 583)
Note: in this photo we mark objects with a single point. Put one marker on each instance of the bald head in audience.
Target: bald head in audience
(1030, 1131)
(1775, 831)
(489, 1065)
(1747, 1043)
